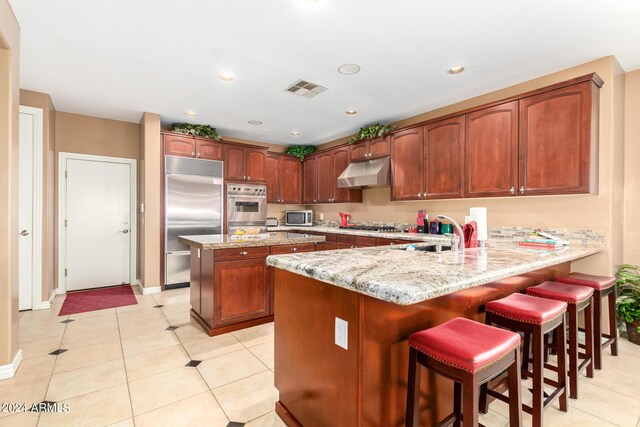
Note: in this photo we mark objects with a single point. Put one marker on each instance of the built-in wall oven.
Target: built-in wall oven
(246, 206)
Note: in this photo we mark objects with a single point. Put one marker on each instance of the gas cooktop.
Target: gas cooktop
(379, 228)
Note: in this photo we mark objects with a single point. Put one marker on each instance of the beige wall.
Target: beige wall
(632, 169)
(602, 211)
(43, 101)
(150, 179)
(9, 116)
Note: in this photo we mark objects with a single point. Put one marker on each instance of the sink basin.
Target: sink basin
(426, 248)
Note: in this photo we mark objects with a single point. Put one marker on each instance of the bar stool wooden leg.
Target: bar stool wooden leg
(538, 376)
(526, 354)
(613, 323)
(597, 329)
(413, 390)
(588, 337)
(457, 403)
(562, 364)
(515, 400)
(470, 402)
(572, 310)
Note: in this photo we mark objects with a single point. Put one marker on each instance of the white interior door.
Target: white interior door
(98, 227)
(25, 200)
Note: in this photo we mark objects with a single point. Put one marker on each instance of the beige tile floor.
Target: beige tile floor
(123, 367)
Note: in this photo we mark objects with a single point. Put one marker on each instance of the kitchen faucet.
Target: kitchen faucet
(455, 244)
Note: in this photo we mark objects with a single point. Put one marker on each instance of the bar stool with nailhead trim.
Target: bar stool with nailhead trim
(470, 354)
(578, 299)
(603, 286)
(535, 316)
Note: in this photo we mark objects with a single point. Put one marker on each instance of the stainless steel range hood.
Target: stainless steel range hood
(370, 173)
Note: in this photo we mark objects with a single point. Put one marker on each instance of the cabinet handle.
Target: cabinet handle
(424, 194)
(244, 178)
(512, 190)
(522, 190)
(244, 253)
(248, 178)
(315, 200)
(294, 249)
(198, 155)
(353, 246)
(419, 195)
(193, 154)
(391, 244)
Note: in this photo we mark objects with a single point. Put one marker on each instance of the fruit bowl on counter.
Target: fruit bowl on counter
(249, 233)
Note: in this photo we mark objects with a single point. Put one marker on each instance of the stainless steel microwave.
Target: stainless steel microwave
(298, 218)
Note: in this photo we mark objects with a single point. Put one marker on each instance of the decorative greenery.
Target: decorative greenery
(371, 132)
(628, 303)
(197, 130)
(300, 151)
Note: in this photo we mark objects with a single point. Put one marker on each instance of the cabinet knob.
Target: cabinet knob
(198, 155)
(424, 194)
(294, 249)
(522, 190)
(244, 178)
(419, 195)
(248, 178)
(193, 154)
(244, 253)
(512, 190)
(315, 200)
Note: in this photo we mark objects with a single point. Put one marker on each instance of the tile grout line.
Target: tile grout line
(189, 356)
(126, 374)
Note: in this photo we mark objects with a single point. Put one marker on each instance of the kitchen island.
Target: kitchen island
(231, 287)
(384, 294)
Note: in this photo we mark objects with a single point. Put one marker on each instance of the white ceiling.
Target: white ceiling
(118, 58)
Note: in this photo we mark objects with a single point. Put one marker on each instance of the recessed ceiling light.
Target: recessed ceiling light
(255, 122)
(456, 70)
(191, 114)
(351, 112)
(294, 133)
(348, 69)
(226, 76)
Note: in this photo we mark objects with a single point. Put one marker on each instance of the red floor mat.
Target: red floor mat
(97, 299)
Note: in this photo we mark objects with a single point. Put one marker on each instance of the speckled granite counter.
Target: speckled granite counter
(397, 235)
(225, 241)
(406, 278)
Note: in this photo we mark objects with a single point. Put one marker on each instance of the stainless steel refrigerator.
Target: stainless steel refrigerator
(193, 206)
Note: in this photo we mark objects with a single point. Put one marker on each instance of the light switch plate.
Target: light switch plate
(342, 333)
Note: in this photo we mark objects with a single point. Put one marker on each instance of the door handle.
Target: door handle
(24, 233)
(125, 231)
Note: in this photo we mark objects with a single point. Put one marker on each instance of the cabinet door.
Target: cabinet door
(208, 150)
(345, 245)
(310, 185)
(256, 159)
(380, 147)
(491, 151)
(443, 158)
(406, 164)
(340, 163)
(326, 182)
(273, 178)
(555, 141)
(179, 146)
(290, 180)
(234, 166)
(360, 151)
(325, 246)
(241, 291)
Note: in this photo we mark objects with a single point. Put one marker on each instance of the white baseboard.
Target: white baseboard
(149, 290)
(9, 370)
(44, 305)
(60, 292)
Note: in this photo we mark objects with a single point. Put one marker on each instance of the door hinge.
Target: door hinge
(65, 272)
(65, 174)
(65, 222)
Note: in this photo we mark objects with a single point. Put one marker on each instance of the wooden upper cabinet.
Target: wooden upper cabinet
(175, 145)
(310, 183)
(341, 157)
(557, 154)
(234, 164)
(273, 178)
(444, 158)
(243, 163)
(208, 149)
(371, 149)
(491, 151)
(290, 180)
(256, 163)
(406, 164)
(325, 177)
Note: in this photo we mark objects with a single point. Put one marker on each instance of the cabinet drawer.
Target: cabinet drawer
(329, 236)
(385, 242)
(289, 249)
(363, 241)
(241, 253)
(345, 245)
(326, 246)
(341, 238)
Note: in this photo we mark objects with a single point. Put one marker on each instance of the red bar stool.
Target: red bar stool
(578, 299)
(470, 354)
(535, 316)
(603, 286)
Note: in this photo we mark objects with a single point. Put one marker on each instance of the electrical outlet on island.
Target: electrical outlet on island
(342, 333)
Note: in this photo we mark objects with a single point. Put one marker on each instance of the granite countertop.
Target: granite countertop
(226, 241)
(388, 235)
(404, 278)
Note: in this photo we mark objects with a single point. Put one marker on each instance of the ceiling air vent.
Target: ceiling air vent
(306, 88)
